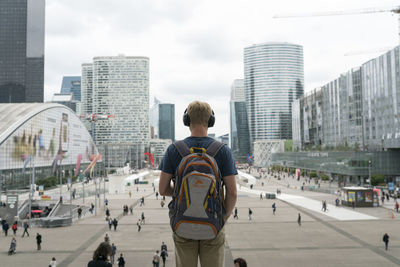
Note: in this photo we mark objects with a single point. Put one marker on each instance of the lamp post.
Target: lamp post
(369, 172)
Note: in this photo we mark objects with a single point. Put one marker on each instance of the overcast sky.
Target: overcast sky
(196, 46)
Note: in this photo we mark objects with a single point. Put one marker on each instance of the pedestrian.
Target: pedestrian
(383, 198)
(164, 246)
(164, 255)
(387, 196)
(386, 240)
(156, 259)
(131, 209)
(273, 208)
(143, 221)
(91, 208)
(189, 247)
(106, 202)
(115, 223)
(139, 225)
(156, 195)
(250, 213)
(113, 251)
(109, 222)
(26, 226)
(142, 201)
(261, 196)
(235, 215)
(79, 212)
(53, 262)
(121, 261)
(13, 246)
(239, 262)
(100, 256)
(162, 203)
(107, 212)
(299, 219)
(337, 202)
(396, 206)
(14, 227)
(107, 238)
(5, 228)
(39, 241)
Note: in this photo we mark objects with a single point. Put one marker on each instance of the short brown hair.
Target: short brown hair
(199, 113)
(102, 251)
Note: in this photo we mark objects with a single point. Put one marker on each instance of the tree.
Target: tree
(377, 179)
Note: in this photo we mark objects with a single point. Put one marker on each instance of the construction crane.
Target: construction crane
(93, 118)
(395, 10)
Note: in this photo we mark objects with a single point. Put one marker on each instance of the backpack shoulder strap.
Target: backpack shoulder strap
(214, 148)
(182, 148)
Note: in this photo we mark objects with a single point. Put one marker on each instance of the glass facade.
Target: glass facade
(72, 84)
(22, 24)
(121, 88)
(273, 79)
(87, 89)
(41, 132)
(166, 129)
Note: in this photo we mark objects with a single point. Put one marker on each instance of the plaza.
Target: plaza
(339, 236)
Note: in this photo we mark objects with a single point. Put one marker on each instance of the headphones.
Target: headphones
(186, 119)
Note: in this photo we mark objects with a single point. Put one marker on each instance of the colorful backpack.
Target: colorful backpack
(197, 208)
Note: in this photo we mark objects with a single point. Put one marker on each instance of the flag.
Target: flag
(26, 162)
(78, 163)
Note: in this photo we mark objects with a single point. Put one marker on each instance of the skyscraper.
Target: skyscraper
(22, 50)
(87, 89)
(273, 79)
(120, 87)
(239, 136)
(72, 84)
(162, 120)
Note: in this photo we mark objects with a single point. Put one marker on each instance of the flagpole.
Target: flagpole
(30, 197)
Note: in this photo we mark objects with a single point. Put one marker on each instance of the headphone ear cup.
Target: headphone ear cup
(211, 121)
(186, 119)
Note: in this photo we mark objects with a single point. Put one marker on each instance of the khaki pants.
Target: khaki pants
(211, 252)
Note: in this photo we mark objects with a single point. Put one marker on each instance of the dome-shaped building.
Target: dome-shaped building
(46, 139)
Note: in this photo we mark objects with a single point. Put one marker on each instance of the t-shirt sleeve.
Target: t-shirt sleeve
(227, 166)
(166, 164)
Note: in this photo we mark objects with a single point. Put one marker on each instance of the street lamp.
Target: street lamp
(369, 172)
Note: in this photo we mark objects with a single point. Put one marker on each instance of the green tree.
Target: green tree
(377, 179)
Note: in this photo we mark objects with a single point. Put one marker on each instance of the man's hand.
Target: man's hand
(164, 187)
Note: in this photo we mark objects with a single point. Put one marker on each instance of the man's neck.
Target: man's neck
(198, 131)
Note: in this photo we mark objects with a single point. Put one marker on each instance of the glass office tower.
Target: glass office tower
(273, 79)
(22, 50)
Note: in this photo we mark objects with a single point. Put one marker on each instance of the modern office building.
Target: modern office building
(273, 79)
(223, 139)
(36, 135)
(162, 120)
(87, 89)
(158, 148)
(239, 134)
(358, 110)
(72, 84)
(120, 87)
(66, 99)
(22, 27)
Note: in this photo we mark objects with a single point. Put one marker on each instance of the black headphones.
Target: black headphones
(186, 119)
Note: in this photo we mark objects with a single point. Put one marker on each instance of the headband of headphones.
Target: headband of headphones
(186, 119)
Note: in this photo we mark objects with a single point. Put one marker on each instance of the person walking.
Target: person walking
(115, 223)
(386, 240)
(142, 201)
(121, 261)
(91, 208)
(250, 213)
(107, 239)
(273, 208)
(13, 246)
(53, 262)
(39, 241)
(131, 209)
(261, 196)
(26, 226)
(396, 206)
(109, 222)
(164, 255)
(14, 227)
(100, 256)
(79, 212)
(235, 214)
(143, 218)
(299, 220)
(156, 195)
(113, 252)
(5, 228)
(156, 259)
(139, 225)
(107, 212)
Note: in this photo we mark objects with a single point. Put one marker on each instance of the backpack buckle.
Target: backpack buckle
(202, 149)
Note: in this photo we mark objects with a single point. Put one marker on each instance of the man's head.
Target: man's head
(199, 114)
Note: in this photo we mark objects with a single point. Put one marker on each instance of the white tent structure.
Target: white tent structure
(247, 178)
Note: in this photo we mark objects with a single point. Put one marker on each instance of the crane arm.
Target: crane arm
(340, 13)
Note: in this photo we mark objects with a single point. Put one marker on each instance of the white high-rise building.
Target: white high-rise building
(121, 88)
(87, 89)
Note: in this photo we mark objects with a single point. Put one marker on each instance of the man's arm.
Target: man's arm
(231, 194)
(164, 187)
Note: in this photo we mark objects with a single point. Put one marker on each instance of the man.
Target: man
(156, 259)
(115, 223)
(386, 240)
(198, 116)
(113, 252)
(235, 215)
(5, 228)
(38, 241)
(250, 213)
(121, 261)
(26, 226)
(299, 219)
(273, 208)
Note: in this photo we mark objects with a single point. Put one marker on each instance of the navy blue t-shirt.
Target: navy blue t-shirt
(224, 157)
